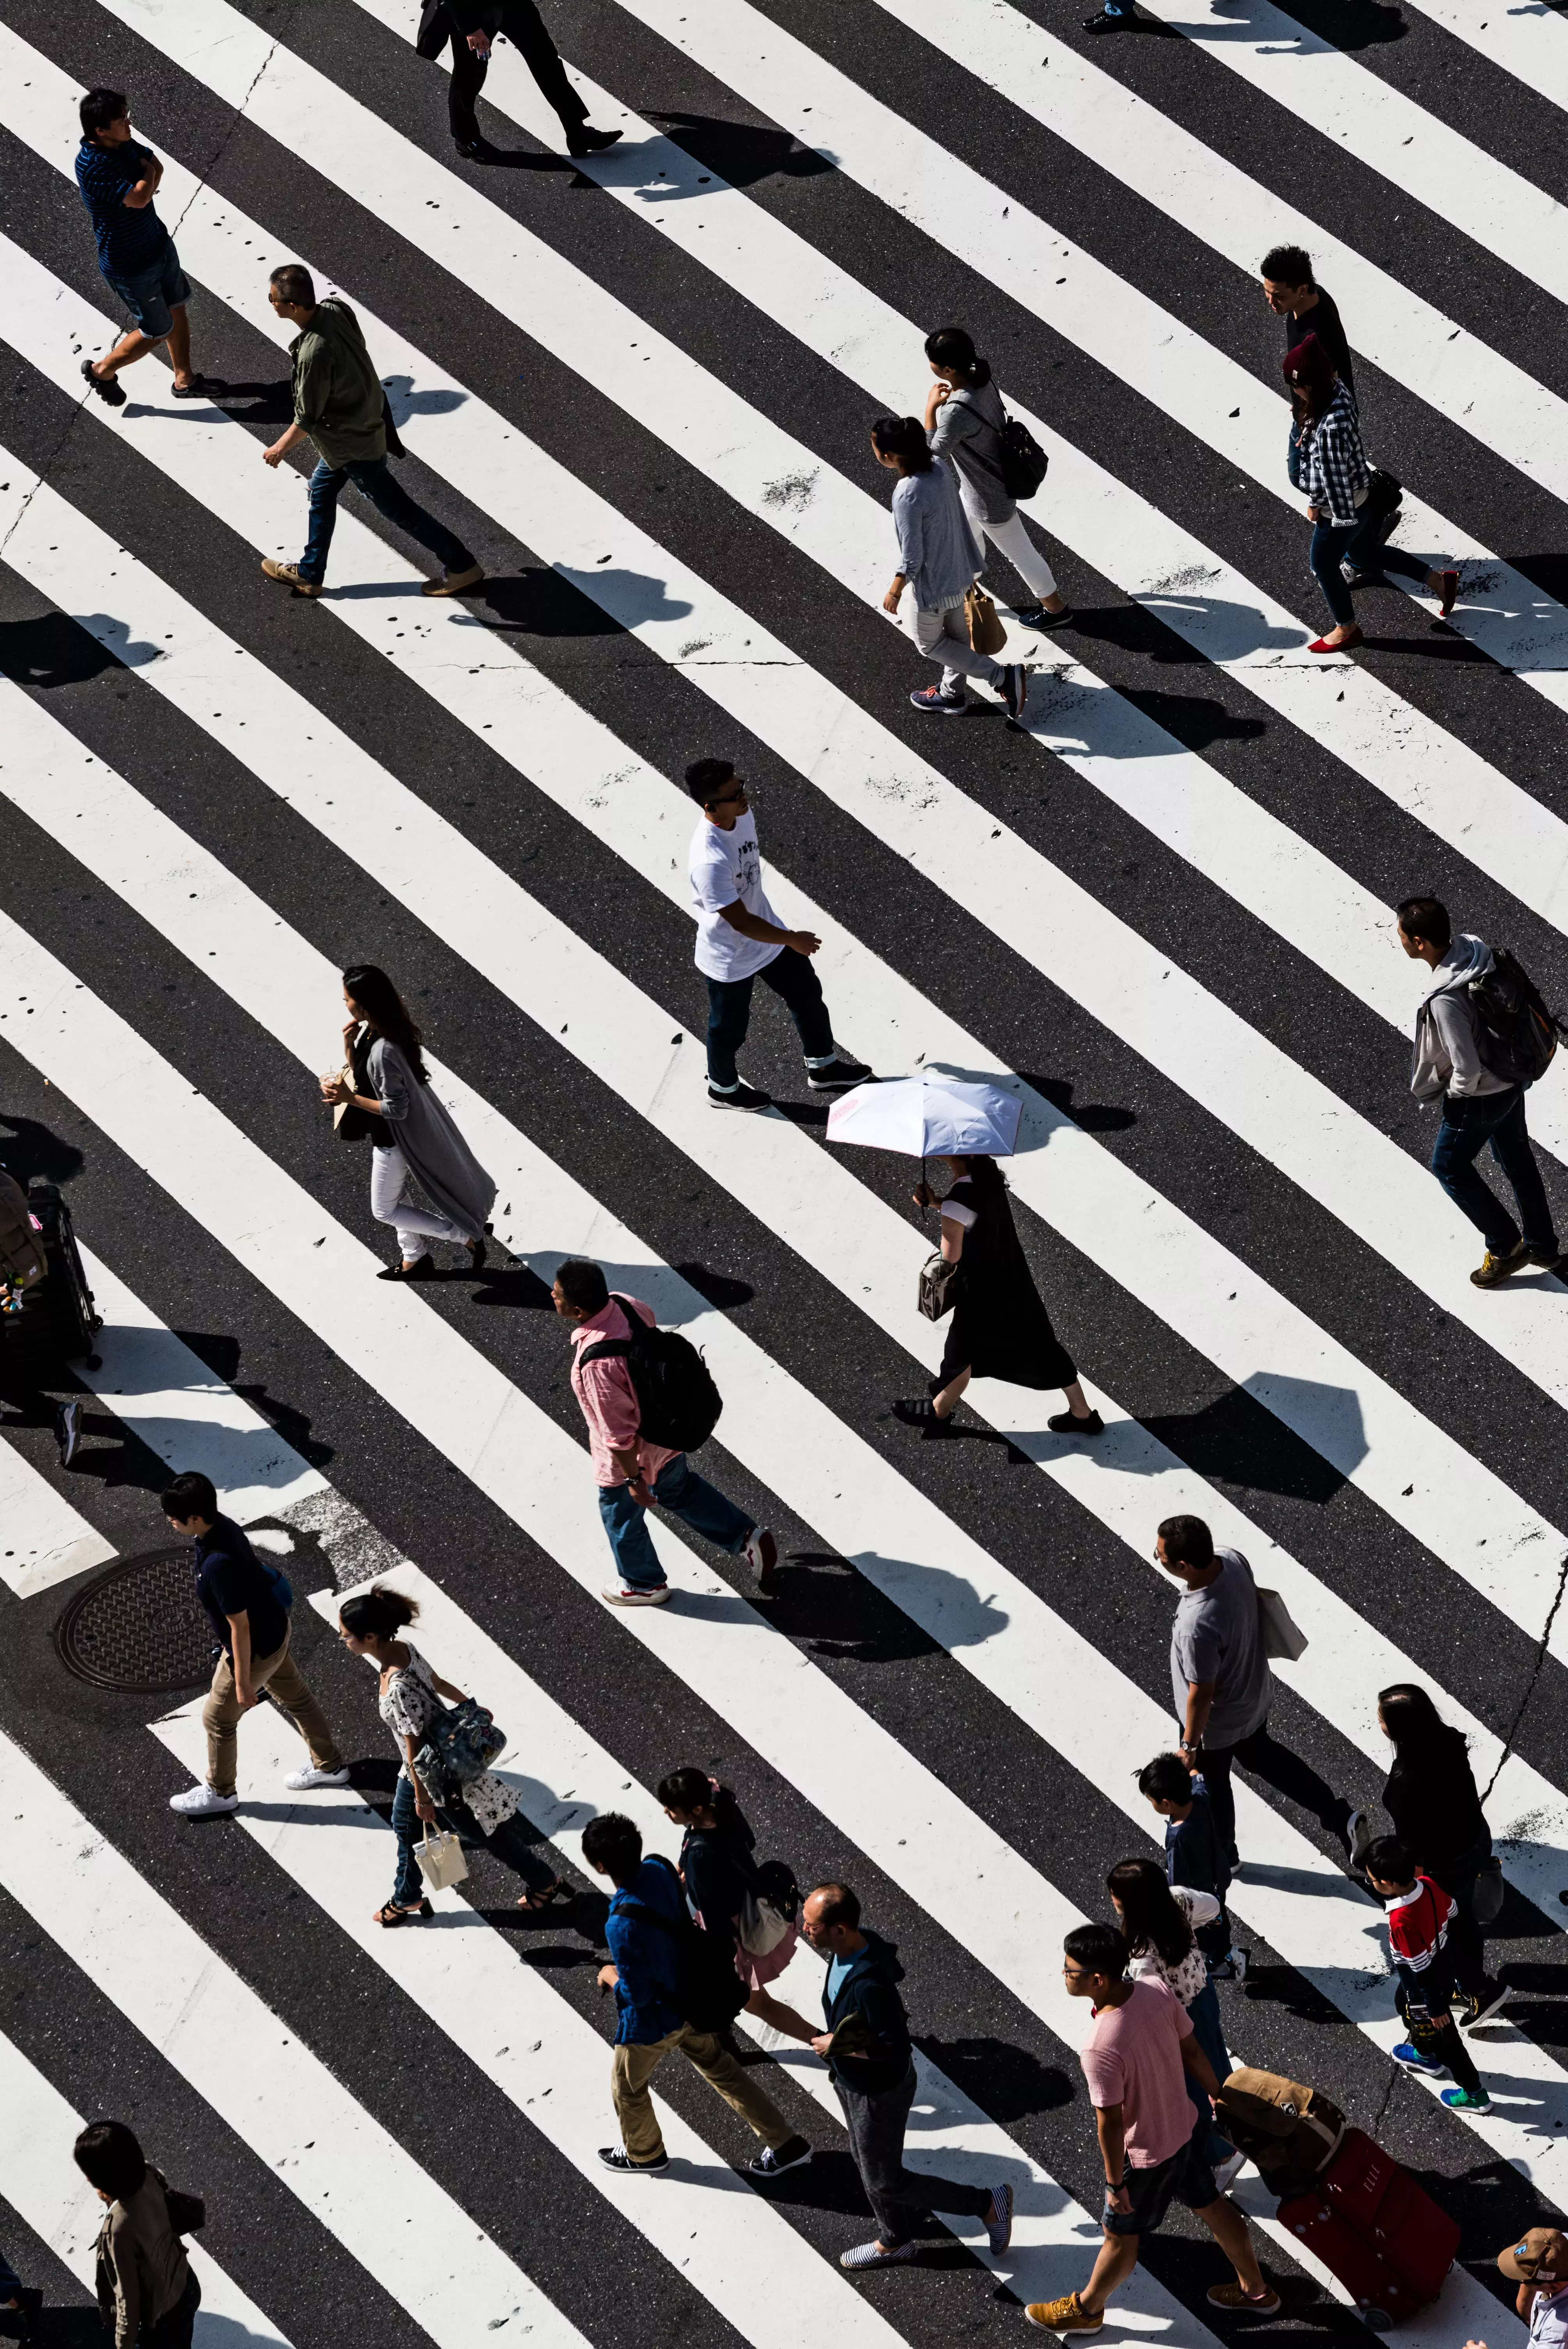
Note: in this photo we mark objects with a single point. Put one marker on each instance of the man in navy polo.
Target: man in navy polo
(118, 178)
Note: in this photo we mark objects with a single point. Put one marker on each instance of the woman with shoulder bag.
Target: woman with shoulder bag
(146, 2289)
(1000, 1328)
(1430, 1796)
(718, 1869)
(938, 563)
(1335, 477)
(963, 423)
(387, 1098)
(1160, 1922)
(409, 1701)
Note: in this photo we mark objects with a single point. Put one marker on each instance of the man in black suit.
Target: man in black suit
(471, 25)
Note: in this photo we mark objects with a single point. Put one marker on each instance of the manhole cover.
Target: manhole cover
(138, 1627)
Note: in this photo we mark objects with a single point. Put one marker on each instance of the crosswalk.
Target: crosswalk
(642, 390)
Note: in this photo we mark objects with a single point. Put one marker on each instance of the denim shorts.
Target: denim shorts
(152, 292)
(1186, 2176)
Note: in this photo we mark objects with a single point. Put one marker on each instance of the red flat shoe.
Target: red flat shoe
(1347, 644)
(1450, 594)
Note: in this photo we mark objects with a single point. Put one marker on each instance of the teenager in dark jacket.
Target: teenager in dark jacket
(866, 2047)
(1431, 1798)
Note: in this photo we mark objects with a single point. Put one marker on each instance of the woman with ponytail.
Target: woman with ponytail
(386, 1090)
(964, 419)
(938, 561)
(410, 1697)
(1157, 1920)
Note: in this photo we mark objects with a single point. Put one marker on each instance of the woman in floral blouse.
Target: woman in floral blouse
(411, 1698)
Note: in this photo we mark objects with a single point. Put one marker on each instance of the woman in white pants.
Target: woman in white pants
(964, 420)
(390, 1103)
(938, 557)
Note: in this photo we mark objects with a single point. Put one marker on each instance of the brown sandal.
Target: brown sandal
(393, 1915)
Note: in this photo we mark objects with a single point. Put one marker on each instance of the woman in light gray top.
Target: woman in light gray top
(387, 1084)
(964, 420)
(938, 557)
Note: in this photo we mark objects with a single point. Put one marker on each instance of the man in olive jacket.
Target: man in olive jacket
(340, 405)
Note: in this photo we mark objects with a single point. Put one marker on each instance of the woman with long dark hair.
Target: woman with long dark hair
(938, 563)
(1158, 1921)
(1335, 477)
(719, 1869)
(147, 2291)
(1000, 1328)
(386, 1090)
(1430, 1796)
(409, 1699)
(963, 421)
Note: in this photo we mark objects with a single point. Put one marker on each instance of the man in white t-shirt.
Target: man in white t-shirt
(739, 938)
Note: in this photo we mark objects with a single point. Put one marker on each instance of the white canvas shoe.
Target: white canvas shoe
(300, 1782)
(202, 1803)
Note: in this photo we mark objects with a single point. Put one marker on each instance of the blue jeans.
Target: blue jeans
(1292, 455)
(1358, 542)
(797, 986)
(1469, 1124)
(509, 1843)
(373, 477)
(1209, 2032)
(678, 1489)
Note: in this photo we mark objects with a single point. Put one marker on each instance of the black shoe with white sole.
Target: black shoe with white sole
(774, 2160)
(1016, 689)
(837, 1075)
(741, 1096)
(1478, 2007)
(614, 2157)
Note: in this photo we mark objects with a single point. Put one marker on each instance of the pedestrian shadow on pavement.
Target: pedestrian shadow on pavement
(1007, 2082)
(50, 651)
(542, 603)
(854, 1606)
(741, 152)
(1090, 1117)
(1233, 1440)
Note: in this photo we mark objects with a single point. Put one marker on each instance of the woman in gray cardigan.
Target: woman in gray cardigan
(963, 421)
(412, 1131)
(938, 559)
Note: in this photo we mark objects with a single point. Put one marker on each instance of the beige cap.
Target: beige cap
(1538, 2246)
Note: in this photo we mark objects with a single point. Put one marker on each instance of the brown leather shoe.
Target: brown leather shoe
(455, 582)
(287, 576)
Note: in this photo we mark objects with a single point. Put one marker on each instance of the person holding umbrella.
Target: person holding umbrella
(1000, 1328)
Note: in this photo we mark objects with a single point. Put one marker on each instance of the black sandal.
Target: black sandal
(921, 1412)
(422, 1268)
(536, 1901)
(105, 385)
(392, 1915)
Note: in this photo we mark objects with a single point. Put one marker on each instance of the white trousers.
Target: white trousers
(1011, 539)
(388, 1181)
(945, 636)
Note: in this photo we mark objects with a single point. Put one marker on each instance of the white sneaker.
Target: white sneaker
(300, 1782)
(620, 1595)
(203, 1802)
(1227, 2172)
(761, 1555)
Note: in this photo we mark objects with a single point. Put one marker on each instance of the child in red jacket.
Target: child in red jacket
(1419, 1914)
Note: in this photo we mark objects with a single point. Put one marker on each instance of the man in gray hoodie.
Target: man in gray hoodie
(1478, 1107)
(339, 405)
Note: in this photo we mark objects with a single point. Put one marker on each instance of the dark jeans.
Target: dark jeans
(1470, 1122)
(901, 2204)
(1467, 1944)
(521, 22)
(1292, 455)
(173, 2331)
(1433, 2031)
(678, 1489)
(1278, 1767)
(509, 1843)
(1358, 543)
(1209, 2032)
(796, 984)
(373, 477)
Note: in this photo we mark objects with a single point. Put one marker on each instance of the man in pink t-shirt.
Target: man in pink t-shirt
(1140, 2042)
(633, 1474)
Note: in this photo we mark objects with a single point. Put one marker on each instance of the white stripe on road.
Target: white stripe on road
(43, 1539)
(40, 2180)
(205, 2021)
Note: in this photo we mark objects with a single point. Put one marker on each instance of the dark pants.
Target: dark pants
(901, 2204)
(678, 1489)
(1467, 1944)
(373, 477)
(796, 984)
(1433, 2031)
(173, 2331)
(1209, 2032)
(1361, 544)
(525, 28)
(509, 1843)
(1470, 1122)
(1278, 1767)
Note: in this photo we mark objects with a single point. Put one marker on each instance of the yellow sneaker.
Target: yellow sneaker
(1066, 2317)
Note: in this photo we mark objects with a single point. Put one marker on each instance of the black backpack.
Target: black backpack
(709, 1992)
(1024, 461)
(678, 1402)
(1515, 1035)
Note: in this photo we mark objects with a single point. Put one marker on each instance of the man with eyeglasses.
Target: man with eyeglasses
(1140, 2042)
(740, 940)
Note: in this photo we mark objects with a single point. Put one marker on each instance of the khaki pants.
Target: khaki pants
(221, 1715)
(633, 2067)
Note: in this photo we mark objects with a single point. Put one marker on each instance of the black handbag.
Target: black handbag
(1383, 496)
(938, 1286)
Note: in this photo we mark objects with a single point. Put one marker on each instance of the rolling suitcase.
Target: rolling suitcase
(1370, 2222)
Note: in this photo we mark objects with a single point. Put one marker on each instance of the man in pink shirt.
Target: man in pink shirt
(632, 1475)
(1140, 2038)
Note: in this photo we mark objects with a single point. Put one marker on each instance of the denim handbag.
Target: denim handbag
(460, 1743)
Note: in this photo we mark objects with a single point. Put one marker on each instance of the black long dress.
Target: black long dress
(1000, 1328)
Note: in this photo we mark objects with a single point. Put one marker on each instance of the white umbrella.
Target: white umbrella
(929, 1116)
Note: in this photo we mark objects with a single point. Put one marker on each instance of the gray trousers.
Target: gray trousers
(901, 2203)
(945, 636)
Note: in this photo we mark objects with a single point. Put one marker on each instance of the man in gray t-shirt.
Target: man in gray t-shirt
(1221, 1685)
